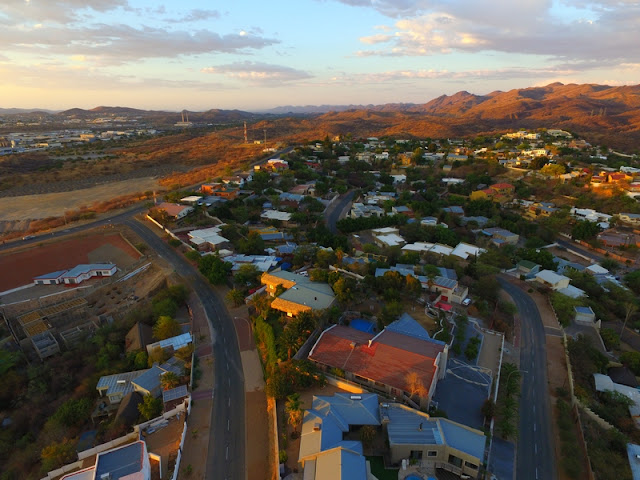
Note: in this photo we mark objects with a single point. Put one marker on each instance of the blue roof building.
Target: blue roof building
(414, 434)
(127, 462)
(324, 454)
(633, 454)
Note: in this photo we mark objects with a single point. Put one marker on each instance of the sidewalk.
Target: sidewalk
(196, 443)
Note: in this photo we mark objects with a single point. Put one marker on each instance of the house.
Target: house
(138, 337)
(276, 216)
(402, 210)
(290, 199)
(415, 435)
(631, 218)
(301, 295)
(527, 268)
(503, 188)
(208, 238)
(454, 210)
(174, 210)
(596, 269)
(174, 396)
(387, 237)
(234, 180)
(466, 250)
(171, 344)
(619, 178)
(480, 220)
(552, 280)
(584, 315)
(604, 383)
(324, 453)
(77, 274)
(429, 221)
(633, 455)
(116, 386)
(382, 361)
(501, 237)
(128, 462)
(191, 200)
(449, 289)
(361, 210)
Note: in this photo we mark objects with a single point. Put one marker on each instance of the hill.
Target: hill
(602, 113)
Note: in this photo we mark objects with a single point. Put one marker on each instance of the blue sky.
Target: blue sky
(253, 54)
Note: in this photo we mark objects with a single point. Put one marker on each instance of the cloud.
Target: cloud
(117, 44)
(610, 34)
(58, 11)
(198, 15)
(259, 73)
(411, 76)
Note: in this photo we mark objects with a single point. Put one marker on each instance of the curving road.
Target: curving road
(335, 211)
(226, 459)
(535, 456)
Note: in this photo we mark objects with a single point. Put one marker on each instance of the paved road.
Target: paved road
(535, 456)
(578, 248)
(227, 442)
(335, 210)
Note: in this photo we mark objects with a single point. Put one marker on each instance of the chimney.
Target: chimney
(420, 427)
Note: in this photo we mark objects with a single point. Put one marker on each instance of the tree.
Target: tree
(488, 408)
(247, 276)
(584, 230)
(344, 289)
(58, 454)
(367, 435)
(215, 269)
(253, 245)
(150, 407)
(632, 279)
(169, 380)
(73, 412)
(293, 406)
(553, 169)
(630, 308)
(236, 296)
(166, 327)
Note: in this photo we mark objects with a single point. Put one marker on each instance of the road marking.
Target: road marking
(534, 408)
(229, 381)
(227, 366)
(229, 402)
(227, 457)
(536, 472)
(228, 424)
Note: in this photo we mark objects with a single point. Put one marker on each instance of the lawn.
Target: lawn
(378, 470)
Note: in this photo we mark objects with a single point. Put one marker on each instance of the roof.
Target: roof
(276, 215)
(121, 462)
(119, 383)
(502, 185)
(499, 231)
(51, 276)
(412, 427)
(322, 447)
(408, 326)
(174, 393)
(176, 342)
(207, 235)
(550, 277)
(529, 265)
(454, 209)
(150, 379)
(584, 310)
(445, 282)
(623, 376)
(301, 291)
(441, 249)
(86, 268)
(387, 359)
(173, 209)
(138, 337)
(633, 454)
(573, 292)
(128, 411)
(464, 250)
(597, 269)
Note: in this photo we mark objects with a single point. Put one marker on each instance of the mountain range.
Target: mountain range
(600, 113)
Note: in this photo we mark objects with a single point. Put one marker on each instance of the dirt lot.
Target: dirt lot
(45, 258)
(56, 204)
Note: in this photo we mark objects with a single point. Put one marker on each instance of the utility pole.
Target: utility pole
(245, 133)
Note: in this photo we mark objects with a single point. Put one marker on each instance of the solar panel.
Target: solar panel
(174, 393)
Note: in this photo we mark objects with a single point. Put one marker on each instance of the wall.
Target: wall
(344, 384)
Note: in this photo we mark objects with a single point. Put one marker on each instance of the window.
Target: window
(470, 465)
(416, 454)
(432, 453)
(455, 461)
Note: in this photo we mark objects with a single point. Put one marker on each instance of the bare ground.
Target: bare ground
(14, 209)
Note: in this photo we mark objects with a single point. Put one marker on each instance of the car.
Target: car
(28, 237)
(466, 302)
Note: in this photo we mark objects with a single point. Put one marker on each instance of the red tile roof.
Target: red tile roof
(502, 186)
(172, 209)
(388, 360)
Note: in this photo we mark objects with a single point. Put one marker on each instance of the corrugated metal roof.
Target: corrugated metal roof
(445, 282)
(175, 393)
(408, 326)
(633, 454)
(121, 462)
(119, 383)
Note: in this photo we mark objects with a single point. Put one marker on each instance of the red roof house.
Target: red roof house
(398, 364)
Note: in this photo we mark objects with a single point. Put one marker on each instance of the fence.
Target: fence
(273, 414)
(169, 232)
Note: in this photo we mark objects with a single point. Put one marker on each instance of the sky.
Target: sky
(255, 54)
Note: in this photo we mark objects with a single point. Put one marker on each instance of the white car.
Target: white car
(466, 302)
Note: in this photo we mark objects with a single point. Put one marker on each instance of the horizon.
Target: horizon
(332, 52)
(268, 108)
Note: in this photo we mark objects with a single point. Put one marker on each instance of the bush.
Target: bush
(174, 242)
(610, 337)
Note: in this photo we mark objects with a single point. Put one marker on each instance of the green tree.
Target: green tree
(293, 406)
(344, 289)
(585, 230)
(215, 269)
(247, 276)
(169, 380)
(166, 327)
(253, 245)
(73, 412)
(150, 407)
(235, 296)
(632, 279)
(57, 454)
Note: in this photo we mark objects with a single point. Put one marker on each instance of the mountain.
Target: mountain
(34, 111)
(601, 113)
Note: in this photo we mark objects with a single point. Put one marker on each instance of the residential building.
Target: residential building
(324, 453)
(77, 274)
(276, 216)
(466, 250)
(552, 280)
(402, 210)
(416, 436)
(171, 344)
(527, 268)
(191, 200)
(449, 289)
(631, 218)
(382, 362)
(501, 237)
(633, 455)
(138, 337)
(584, 315)
(454, 210)
(387, 237)
(129, 462)
(301, 295)
(361, 210)
(208, 238)
(175, 210)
